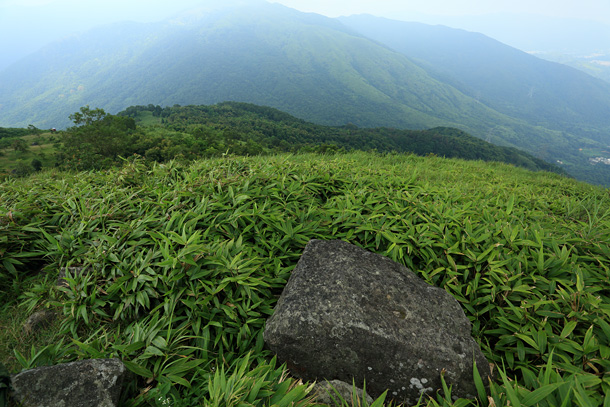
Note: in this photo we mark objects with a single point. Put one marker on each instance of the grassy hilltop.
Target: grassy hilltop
(186, 263)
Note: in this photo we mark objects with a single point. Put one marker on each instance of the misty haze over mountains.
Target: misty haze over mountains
(361, 69)
(582, 44)
(529, 32)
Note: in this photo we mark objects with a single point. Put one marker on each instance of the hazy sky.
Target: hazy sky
(587, 9)
(26, 25)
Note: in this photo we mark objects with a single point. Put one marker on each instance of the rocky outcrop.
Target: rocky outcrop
(94, 382)
(38, 320)
(350, 314)
(73, 271)
(43, 318)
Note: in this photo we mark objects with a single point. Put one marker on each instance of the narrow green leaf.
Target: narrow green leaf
(297, 393)
(548, 369)
(90, 350)
(179, 380)
(527, 339)
(582, 397)
(137, 369)
(509, 205)
(539, 394)
(478, 382)
(568, 328)
(510, 391)
(379, 401)
(153, 350)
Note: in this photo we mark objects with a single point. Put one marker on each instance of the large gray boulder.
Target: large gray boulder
(86, 383)
(347, 313)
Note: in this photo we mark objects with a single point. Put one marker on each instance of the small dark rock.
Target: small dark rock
(74, 271)
(86, 383)
(38, 320)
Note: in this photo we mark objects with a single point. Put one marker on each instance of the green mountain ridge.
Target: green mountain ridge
(310, 66)
(508, 80)
(275, 131)
(186, 133)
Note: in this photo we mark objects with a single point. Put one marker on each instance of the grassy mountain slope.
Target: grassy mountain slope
(268, 55)
(307, 65)
(597, 65)
(185, 263)
(506, 79)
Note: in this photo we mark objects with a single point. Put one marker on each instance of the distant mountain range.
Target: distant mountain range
(510, 81)
(530, 32)
(361, 70)
(581, 44)
(595, 64)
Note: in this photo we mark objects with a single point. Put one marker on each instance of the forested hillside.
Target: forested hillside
(310, 66)
(243, 128)
(99, 140)
(506, 79)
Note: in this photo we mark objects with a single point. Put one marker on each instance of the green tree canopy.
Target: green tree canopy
(97, 139)
(20, 145)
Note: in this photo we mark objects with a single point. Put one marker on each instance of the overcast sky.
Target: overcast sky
(26, 25)
(587, 9)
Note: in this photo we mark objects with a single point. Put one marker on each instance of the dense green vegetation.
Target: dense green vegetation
(97, 140)
(185, 262)
(242, 128)
(24, 151)
(100, 140)
(7, 132)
